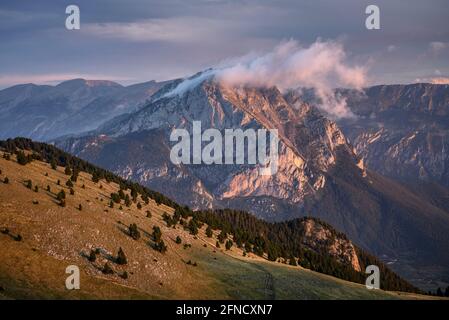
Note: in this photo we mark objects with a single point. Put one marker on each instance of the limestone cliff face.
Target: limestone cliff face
(317, 236)
(402, 130)
(307, 148)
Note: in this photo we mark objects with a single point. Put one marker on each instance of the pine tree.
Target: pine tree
(92, 256)
(6, 180)
(48, 188)
(107, 269)
(160, 246)
(228, 245)
(95, 177)
(29, 184)
(209, 232)
(22, 158)
(127, 201)
(446, 292)
(111, 204)
(134, 232)
(178, 240)
(61, 195)
(72, 192)
(69, 183)
(292, 261)
(115, 197)
(193, 227)
(67, 170)
(36, 189)
(157, 234)
(121, 257)
(139, 206)
(53, 164)
(80, 207)
(74, 176)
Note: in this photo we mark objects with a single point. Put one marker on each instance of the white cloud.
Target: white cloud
(433, 80)
(179, 29)
(321, 66)
(436, 46)
(391, 48)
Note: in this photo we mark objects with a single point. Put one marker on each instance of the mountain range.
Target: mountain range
(74, 106)
(379, 177)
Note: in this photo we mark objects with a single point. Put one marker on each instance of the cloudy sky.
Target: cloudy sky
(135, 40)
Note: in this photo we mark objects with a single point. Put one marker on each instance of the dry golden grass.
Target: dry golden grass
(54, 237)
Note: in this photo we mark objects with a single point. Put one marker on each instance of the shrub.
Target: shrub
(69, 183)
(35, 202)
(228, 244)
(111, 204)
(148, 214)
(124, 275)
(6, 180)
(48, 188)
(80, 207)
(67, 170)
(62, 203)
(139, 206)
(59, 182)
(178, 240)
(36, 189)
(121, 257)
(72, 192)
(18, 238)
(29, 184)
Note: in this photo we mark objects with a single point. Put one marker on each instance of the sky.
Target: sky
(135, 40)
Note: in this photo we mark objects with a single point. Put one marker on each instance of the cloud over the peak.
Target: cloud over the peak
(289, 65)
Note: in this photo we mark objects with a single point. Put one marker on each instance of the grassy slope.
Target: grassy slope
(55, 237)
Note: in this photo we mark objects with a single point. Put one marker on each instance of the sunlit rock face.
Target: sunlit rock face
(307, 147)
